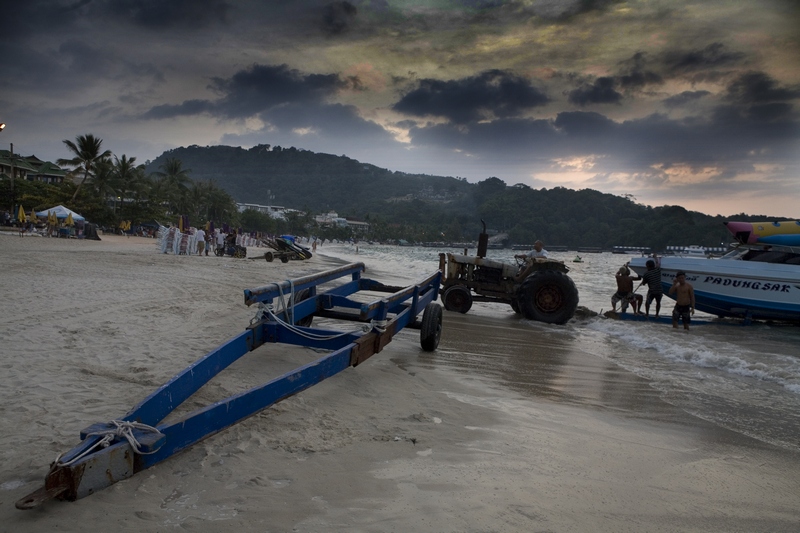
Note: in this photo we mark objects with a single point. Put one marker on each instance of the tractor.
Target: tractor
(546, 293)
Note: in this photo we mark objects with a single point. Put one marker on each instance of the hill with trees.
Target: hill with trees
(205, 184)
(438, 208)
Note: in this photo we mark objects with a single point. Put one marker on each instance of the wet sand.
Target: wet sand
(507, 427)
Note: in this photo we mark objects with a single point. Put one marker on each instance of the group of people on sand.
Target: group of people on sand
(626, 295)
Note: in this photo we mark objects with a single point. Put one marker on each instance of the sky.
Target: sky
(673, 102)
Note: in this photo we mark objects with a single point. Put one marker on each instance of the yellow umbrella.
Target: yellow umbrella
(52, 219)
(33, 215)
(21, 216)
(69, 221)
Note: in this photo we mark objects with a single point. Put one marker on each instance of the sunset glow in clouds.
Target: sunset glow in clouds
(673, 102)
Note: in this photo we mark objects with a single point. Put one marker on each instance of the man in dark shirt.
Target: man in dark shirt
(654, 290)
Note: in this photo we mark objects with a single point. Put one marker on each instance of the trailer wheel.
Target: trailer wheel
(284, 258)
(548, 296)
(299, 297)
(457, 298)
(515, 306)
(269, 257)
(431, 330)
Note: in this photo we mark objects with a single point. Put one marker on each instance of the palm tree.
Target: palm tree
(104, 181)
(176, 181)
(87, 155)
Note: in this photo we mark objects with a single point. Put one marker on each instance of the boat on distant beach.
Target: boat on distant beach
(748, 282)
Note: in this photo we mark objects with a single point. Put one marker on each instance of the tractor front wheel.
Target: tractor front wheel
(457, 298)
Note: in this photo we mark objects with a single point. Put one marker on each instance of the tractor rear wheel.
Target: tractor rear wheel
(457, 298)
(548, 296)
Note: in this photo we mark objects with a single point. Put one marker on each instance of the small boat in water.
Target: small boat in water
(750, 282)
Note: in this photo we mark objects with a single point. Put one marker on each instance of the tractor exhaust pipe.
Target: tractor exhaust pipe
(483, 241)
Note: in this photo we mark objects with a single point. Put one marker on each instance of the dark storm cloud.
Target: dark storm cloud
(336, 129)
(758, 88)
(730, 140)
(86, 59)
(255, 90)
(33, 16)
(325, 121)
(565, 9)
(187, 108)
(263, 86)
(713, 56)
(85, 63)
(602, 91)
(587, 125)
(769, 112)
(337, 16)
(684, 98)
(491, 93)
(163, 14)
(636, 74)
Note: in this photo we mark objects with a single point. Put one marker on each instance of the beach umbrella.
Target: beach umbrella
(69, 221)
(21, 215)
(33, 215)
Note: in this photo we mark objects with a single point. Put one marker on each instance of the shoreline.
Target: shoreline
(502, 428)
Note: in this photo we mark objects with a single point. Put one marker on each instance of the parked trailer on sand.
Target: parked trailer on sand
(113, 451)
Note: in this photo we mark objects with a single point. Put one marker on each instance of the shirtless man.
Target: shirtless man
(625, 292)
(684, 301)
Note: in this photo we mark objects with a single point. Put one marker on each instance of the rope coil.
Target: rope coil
(122, 429)
(268, 310)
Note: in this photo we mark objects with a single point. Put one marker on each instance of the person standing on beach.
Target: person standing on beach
(654, 290)
(221, 241)
(200, 235)
(211, 240)
(684, 301)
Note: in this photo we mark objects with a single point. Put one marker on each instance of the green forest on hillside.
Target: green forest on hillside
(438, 208)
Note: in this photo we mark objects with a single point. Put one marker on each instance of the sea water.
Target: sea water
(743, 378)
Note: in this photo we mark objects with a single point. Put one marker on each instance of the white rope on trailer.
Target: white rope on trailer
(268, 309)
(121, 429)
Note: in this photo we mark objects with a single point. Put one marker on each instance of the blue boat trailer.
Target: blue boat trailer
(113, 451)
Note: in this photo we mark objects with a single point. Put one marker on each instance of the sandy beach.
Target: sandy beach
(504, 428)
